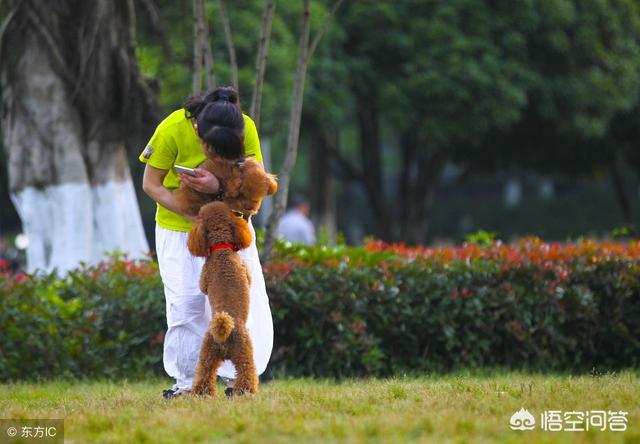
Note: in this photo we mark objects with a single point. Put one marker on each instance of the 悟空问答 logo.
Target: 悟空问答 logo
(522, 420)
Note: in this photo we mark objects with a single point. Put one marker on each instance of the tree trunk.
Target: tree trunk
(280, 203)
(408, 174)
(198, 50)
(616, 167)
(421, 194)
(70, 98)
(202, 55)
(371, 160)
(230, 46)
(153, 14)
(322, 191)
(266, 207)
(304, 53)
(261, 60)
(323, 27)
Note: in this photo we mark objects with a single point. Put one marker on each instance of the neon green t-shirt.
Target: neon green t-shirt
(175, 142)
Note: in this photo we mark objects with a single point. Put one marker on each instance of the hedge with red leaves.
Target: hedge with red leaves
(387, 309)
(379, 309)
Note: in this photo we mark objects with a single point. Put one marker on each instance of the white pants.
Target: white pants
(188, 311)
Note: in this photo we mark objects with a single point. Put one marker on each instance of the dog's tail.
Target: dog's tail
(221, 326)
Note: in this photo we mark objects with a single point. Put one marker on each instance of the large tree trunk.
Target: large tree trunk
(71, 94)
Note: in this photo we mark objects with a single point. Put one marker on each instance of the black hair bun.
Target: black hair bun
(195, 105)
(224, 94)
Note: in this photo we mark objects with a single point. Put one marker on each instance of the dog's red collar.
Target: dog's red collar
(222, 247)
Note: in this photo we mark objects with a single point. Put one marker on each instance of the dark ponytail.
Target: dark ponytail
(194, 105)
(224, 93)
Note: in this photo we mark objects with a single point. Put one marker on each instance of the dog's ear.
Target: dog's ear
(197, 240)
(272, 184)
(241, 233)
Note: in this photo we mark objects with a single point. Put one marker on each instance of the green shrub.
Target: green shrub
(373, 310)
(530, 305)
(106, 320)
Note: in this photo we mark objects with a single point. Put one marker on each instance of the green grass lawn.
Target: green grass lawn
(452, 408)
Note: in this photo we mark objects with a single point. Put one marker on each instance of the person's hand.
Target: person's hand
(193, 219)
(204, 182)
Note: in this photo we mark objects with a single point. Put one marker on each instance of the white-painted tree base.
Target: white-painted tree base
(74, 222)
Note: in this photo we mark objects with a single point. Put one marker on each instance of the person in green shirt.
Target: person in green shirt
(176, 142)
(214, 119)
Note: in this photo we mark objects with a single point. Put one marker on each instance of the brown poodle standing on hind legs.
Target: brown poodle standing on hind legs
(220, 231)
(218, 235)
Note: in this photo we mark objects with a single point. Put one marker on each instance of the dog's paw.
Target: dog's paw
(242, 391)
(200, 390)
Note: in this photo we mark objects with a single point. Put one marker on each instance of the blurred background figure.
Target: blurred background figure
(295, 225)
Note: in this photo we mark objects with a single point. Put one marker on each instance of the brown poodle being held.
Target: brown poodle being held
(243, 185)
(218, 235)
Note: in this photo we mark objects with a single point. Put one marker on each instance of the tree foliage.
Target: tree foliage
(530, 83)
(399, 89)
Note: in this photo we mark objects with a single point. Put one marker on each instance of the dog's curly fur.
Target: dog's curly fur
(244, 184)
(226, 282)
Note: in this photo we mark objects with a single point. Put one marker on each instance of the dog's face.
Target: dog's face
(248, 186)
(217, 225)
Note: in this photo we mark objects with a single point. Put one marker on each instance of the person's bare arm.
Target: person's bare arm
(152, 185)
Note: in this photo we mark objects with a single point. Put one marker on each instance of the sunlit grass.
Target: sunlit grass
(451, 408)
